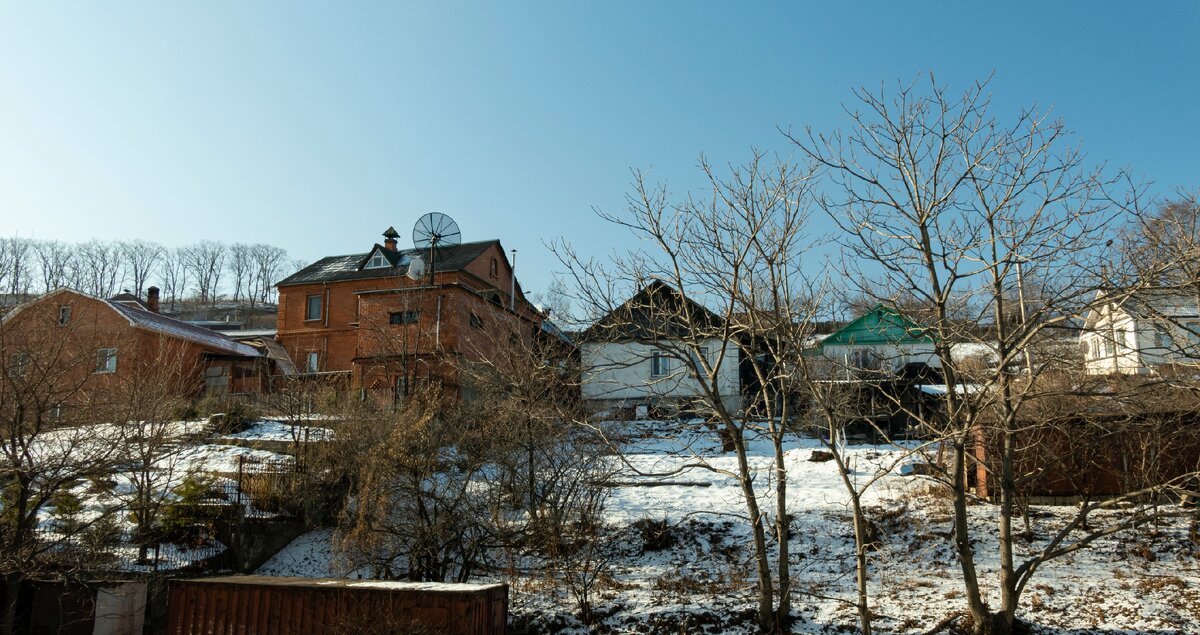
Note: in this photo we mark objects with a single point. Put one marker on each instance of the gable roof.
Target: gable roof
(652, 313)
(163, 325)
(1170, 303)
(153, 322)
(350, 267)
(880, 325)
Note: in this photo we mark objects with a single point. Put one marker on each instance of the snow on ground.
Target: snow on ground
(188, 452)
(1139, 582)
(271, 430)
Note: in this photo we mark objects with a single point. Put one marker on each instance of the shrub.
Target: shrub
(237, 418)
(657, 535)
(192, 519)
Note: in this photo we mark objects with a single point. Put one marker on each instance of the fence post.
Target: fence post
(241, 468)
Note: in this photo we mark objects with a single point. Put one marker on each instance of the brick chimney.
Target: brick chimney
(389, 238)
(152, 299)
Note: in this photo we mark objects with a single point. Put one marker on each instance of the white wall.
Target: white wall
(621, 372)
(893, 356)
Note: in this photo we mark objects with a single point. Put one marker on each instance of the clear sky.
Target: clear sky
(314, 126)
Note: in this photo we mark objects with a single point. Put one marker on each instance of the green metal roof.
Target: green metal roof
(880, 325)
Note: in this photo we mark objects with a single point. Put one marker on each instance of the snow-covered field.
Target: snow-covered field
(1146, 581)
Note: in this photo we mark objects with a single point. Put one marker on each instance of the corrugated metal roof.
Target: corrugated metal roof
(349, 267)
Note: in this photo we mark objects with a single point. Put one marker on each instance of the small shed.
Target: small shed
(266, 605)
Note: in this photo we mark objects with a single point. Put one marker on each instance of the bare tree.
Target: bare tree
(205, 262)
(731, 263)
(16, 272)
(174, 273)
(241, 266)
(140, 258)
(268, 262)
(938, 198)
(53, 258)
(101, 266)
(45, 447)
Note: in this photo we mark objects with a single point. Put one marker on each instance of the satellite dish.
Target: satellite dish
(434, 230)
(416, 268)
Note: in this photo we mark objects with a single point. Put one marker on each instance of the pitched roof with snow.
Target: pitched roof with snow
(351, 267)
(171, 327)
(154, 322)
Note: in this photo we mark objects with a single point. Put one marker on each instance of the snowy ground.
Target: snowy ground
(1143, 582)
(190, 451)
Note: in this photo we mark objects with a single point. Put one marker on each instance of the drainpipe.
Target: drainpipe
(512, 294)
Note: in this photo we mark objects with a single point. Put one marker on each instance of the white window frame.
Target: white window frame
(377, 261)
(106, 361)
(64, 315)
(660, 364)
(312, 362)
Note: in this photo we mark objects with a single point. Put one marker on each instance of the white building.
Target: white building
(640, 357)
(1143, 332)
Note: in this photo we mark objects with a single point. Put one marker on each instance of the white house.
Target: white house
(640, 356)
(1142, 332)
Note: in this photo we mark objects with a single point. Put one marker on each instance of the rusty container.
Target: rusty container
(266, 605)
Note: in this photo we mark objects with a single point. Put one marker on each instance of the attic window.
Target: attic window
(377, 261)
(493, 269)
(64, 315)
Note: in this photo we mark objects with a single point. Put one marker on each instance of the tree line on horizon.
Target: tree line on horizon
(205, 271)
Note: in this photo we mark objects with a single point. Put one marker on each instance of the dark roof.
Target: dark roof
(128, 298)
(654, 312)
(182, 330)
(350, 267)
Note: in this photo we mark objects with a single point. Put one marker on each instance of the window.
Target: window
(377, 261)
(18, 364)
(660, 365)
(64, 315)
(699, 358)
(404, 317)
(1193, 332)
(476, 322)
(313, 311)
(106, 360)
(56, 411)
(312, 362)
(1162, 338)
(493, 269)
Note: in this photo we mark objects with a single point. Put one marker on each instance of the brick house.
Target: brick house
(94, 347)
(389, 319)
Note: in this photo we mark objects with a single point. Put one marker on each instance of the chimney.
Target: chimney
(152, 299)
(389, 238)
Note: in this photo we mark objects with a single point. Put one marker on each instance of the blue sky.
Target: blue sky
(315, 126)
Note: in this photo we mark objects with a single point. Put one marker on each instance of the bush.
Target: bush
(237, 418)
(192, 519)
(657, 535)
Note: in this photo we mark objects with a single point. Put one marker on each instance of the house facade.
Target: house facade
(1143, 332)
(389, 319)
(641, 358)
(881, 340)
(90, 351)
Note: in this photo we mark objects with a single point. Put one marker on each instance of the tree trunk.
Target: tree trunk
(962, 542)
(783, 610)
(766, 593)
(860, 557)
